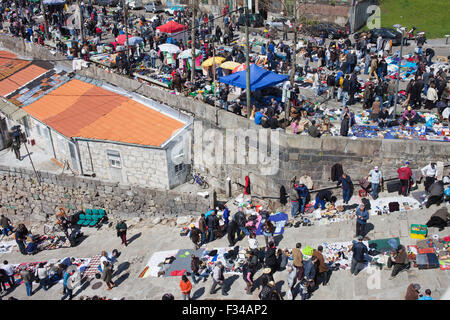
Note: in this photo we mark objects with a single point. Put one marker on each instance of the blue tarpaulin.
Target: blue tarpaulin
(278, 220)
(54, 2)
(259, 78)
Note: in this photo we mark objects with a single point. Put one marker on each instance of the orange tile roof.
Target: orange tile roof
(16, 73)
(79, 109)
(20, 78)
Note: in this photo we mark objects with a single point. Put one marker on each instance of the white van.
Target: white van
(134, 4)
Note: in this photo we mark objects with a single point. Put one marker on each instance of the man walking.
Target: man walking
(362, 215)
(121, 228)
(28, 280)
(297, 255)
(202, 228)
(346, 182)
(359, 250)
(324, 272)
(66, 290)
(376, 178)
(211, 223)
(429, 173)
(404, 174)
(218, 278)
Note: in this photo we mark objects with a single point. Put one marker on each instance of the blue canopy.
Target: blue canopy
(54, 2)
(259, 78)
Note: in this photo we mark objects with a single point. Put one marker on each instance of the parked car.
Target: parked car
(134, 4)
(104, 3)
(154, 7)
(332, 30)
(386, 34)
(255, 20)
(279, 22)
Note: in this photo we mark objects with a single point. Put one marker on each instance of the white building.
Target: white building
(116, 135)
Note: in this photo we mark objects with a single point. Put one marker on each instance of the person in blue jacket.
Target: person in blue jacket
(362, 215)
(303, 195)
(258, 116)
(346, 182)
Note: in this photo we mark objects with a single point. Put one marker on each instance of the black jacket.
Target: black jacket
(324, 195)
(270, 257)
(211, 221)
(240, 219)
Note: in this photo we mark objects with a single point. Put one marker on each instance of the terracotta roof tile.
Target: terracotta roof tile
(20, 78)
(79, 109)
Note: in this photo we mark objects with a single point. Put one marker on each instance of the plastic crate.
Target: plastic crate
(418, 231)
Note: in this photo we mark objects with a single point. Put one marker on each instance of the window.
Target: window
(38, 128)
(178, 168)
(114, 159)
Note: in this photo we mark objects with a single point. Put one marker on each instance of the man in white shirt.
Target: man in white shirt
(218, 278)
(429, 173)
(376, 179)
(9, 269)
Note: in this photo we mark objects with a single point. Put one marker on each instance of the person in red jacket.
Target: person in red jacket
(186, 287)
(404, 174)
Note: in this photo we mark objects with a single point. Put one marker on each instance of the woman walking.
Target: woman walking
(121, 228)
(107, 275)
(186, 287)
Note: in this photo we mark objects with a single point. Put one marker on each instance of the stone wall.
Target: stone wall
(24, 200)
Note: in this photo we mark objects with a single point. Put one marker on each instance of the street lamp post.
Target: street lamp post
(247, 60)
(398, 72)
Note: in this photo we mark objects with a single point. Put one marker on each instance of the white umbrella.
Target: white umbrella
(171, 48)
(188, 54)
(446, 113)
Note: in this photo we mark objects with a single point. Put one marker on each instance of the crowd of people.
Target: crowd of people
(340, 64)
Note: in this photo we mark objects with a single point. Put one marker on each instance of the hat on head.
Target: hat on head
(360, 238)
(407, 162)
(416, 286)
(267, 270)
(192, 225)
(376, 168)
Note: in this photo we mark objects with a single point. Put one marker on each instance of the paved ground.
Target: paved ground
(149, 239)
(41, 160)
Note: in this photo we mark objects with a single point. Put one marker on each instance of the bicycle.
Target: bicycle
(199, 179)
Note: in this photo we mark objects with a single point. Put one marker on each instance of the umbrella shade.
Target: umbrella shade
(121, 39)
(134, 40)
(177, 8)
(188, 54)
(240, 67)
(171, 48)
(230, 65)
(209, 62)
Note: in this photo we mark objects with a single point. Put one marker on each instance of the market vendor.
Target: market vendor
(383, 118)
(409, 116)
(322, 197)
(398, 260)
(436, 194)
